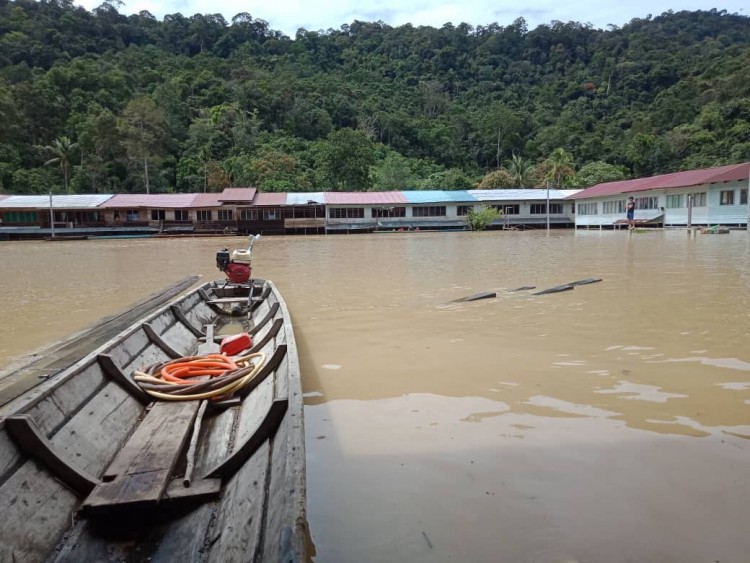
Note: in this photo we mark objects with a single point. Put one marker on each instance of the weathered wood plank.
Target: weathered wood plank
(286, 523)
(236, 536)
(114, 372)
(246, 449)
(94, 435)
(262, 322)
(10, 455)
(125, 351)
(268, 368)
(180, 315)
(54, 358)
(36, 510)
(52, 411)
(189, 535)
(29, 438)
(264, 293)
(267, 336)
(156, 338)
(190, 458)
(179, 338)
(227, 300)
(182, 538)
(141, 471)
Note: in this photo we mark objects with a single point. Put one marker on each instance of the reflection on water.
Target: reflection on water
(582, 408)
(384, 473)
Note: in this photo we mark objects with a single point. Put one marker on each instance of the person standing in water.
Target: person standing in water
(630, 212)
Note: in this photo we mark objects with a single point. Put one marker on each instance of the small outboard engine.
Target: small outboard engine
(237, 265)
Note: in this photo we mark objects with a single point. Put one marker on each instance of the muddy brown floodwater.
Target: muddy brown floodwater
(608, 423)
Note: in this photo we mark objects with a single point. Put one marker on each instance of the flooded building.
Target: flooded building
(246, 211)
(712, 196)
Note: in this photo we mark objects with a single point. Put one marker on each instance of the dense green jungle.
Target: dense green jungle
(101, 102)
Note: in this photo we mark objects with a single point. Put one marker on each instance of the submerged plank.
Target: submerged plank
(586, 281)
(556, 289)
(476, 297)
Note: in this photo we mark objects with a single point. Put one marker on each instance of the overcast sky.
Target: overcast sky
(289, 15)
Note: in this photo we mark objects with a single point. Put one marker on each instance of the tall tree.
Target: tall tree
(145, 134)
(559, 167)
(521, 171)
(63, 149)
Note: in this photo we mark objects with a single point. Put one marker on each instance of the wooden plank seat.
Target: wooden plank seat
(225, 300)
(142, 469)
(141, 474)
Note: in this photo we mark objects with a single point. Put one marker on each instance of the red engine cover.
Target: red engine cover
(237, 273)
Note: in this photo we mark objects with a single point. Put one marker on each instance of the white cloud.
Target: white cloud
(289, 15)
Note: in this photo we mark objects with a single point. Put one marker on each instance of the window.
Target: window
(271, 214)
(647, 203)
(132, 215)
(699, 199)
(346, 213)
(181, 215)
(508, 209)
(743, 197)
(158, 214)
(587, 209)
(20, 217)
(675, 201)
(225, 214)
(311, 210)
(428, 211)
(204, 215)
(726, 197)
(541, 208)
(249, 214)
(613, 207)
(392, 212)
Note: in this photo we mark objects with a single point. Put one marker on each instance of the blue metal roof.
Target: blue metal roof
(438, 196)
(521, 194)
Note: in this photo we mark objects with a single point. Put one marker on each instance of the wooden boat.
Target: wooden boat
(93, 469)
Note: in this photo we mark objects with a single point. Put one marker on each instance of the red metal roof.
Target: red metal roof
(150, 200)
(364, 198)
(207, 200)
(243, 195)
(729, 173)
(271, 198)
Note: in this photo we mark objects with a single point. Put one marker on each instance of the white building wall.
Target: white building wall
(735, 214)
(713, 213)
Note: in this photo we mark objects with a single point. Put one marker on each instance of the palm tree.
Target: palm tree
(63, 150)
(520, 170)
(559, 167)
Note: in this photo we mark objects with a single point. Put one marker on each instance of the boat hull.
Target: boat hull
(87, 414)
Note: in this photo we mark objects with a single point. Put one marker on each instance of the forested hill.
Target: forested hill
(103, 102)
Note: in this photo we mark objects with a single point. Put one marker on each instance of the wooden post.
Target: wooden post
(51, 216)
(689, 212)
